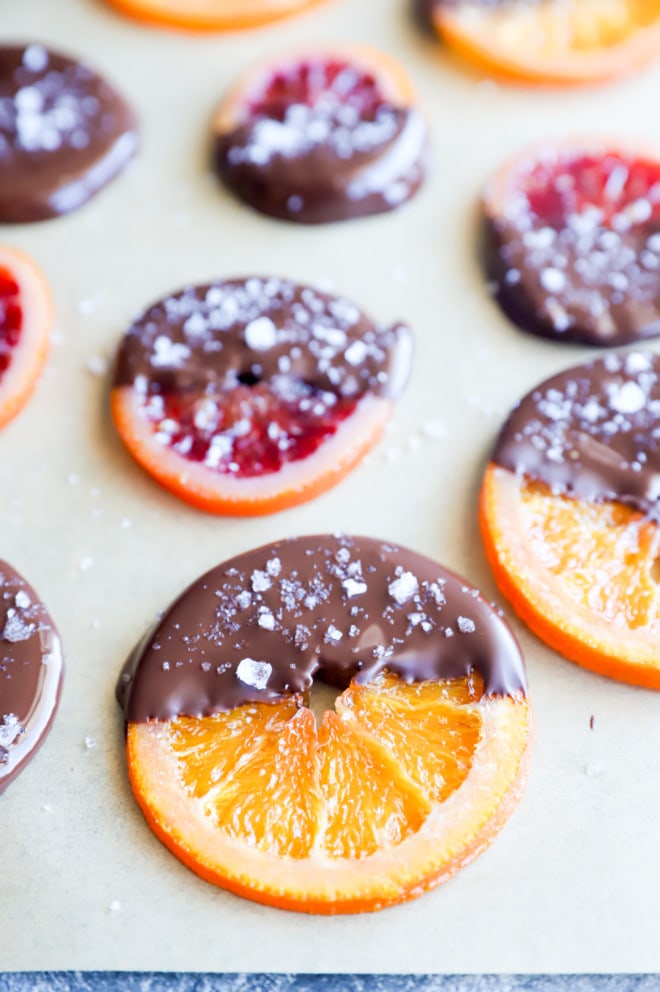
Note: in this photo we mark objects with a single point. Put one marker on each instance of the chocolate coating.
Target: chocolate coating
(30, 673)
(592, 432)
(206, 339)
(323, 163)
(64, 133)
(260, 626)
(586, 272)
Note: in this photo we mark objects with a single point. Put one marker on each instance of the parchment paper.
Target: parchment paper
(573, 882)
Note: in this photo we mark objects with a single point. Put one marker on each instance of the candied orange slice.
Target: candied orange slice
(568, 42)
(210, 15)
(582, 575)
(26, 315)
(400, 787)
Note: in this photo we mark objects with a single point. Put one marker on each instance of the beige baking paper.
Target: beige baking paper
(573, 882)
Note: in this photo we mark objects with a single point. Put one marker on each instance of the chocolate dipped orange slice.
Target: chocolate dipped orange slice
(570, 505)
(408, 779)
(556, 42)
(30, 673)
(322, 135)
(253, 395)
(65, 132)
(572, 241)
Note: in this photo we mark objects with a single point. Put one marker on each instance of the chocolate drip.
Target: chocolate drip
(64, 133)
(260, 626)
(592, 432)
(206, 339)
(281, 170)
(30, 673)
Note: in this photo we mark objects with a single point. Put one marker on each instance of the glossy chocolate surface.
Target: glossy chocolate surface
(324, 162)
(207, 339)
(260, 626)
(585, 272)
(30, 673)
(64, 133)
(592, 432)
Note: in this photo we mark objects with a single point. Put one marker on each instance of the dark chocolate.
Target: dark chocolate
(586, 277)
(323, 163)
(64, 133)
(592, 432)
(260, 626)
(206, 339)
(30, 673)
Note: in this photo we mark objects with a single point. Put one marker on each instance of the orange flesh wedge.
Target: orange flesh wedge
(295, 483)
(27, 358)
(210, 15)
(583, 576)
(550, 42)
(397, 789)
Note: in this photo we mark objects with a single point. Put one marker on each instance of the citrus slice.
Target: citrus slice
(405, 782)
(250, 396)
(211, 15)
(572, 247)
(64, 133)
(25, 324)
(557, 42)
(30, 673)
(322, 135)
(569, 515)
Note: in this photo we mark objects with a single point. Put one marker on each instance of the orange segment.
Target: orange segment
(356, 817)
(428, 727)
(370, 804)
(554, 41)
(581, 575)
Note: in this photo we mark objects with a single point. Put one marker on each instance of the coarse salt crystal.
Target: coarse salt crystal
(261, 334)
(254, 673)
(403, 588)
(466, 625)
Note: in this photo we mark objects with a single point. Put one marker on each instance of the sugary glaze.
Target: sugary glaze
(64, 133)
(260, 626)
(245, 375)
(317, 140)
(30, 673)
(592, 432)
(572, 244)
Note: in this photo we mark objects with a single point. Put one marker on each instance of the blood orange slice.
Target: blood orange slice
(250, 396)
(211, 15)
(569, 515)
(558, 42)
(572, 239)
(408, 780)
(25, 324)
(322, 135)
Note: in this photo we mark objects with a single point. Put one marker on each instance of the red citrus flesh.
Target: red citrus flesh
(332, 82)
(25, 322)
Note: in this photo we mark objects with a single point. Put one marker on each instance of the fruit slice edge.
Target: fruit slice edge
(542, 598)
(476, 41)
(452, 834)
(211, 15)
(19, 379)
(295, 483)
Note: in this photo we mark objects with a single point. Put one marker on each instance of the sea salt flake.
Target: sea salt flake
(354, 587)
(260, 581)
(16, 629)
(274, 567)
(22, 600)
(267, 621)
(628, 398)
(356, 353)
(333, 635)
(466, 625)
(254, 673)
(90, 743)
(261, 334)
(403, 588)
